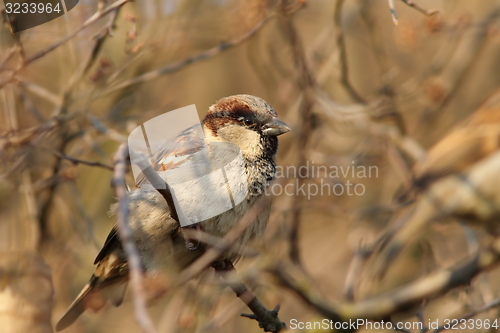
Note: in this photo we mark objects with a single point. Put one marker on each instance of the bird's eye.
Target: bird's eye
(248, 122)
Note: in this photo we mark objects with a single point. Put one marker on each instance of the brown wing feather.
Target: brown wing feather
(174, 153)
(111, 244)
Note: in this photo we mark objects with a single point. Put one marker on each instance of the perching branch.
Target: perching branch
(268, 319)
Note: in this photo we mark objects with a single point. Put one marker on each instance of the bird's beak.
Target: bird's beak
(275, 127)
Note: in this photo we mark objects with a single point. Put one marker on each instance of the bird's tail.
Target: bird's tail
(79, 305)
(91, 297)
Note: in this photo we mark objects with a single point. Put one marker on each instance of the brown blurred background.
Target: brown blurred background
(357, 90)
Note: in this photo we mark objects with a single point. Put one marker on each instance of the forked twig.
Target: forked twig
(268, 319)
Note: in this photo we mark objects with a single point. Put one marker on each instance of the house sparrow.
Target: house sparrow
(244, 120)
(459, 177)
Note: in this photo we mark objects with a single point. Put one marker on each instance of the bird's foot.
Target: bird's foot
(190, 244)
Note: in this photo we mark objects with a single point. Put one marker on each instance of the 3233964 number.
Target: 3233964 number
(461, 324)
(31, 7)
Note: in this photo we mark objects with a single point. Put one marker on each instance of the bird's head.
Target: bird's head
(247, 121)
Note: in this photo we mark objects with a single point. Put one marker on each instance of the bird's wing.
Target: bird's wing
(174, 153)
(168, 157)
(111, 244)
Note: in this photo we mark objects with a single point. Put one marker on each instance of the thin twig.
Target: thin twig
(212, 254)
(307, 82)
(45, 209)
(344, 68)
(420, 9)
(353, 271)
(128, 241)
(98, 15)
(151, 75)
(159, 184)
(39, 91)
(411, 4)
(77, 161)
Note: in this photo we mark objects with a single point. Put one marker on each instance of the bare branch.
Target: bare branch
(128, 242)
(344, 68)
(212, 254)
(98, 15)
(151, 75)
(398, 299)
(77, 161)
(307, 82)
(268, 319)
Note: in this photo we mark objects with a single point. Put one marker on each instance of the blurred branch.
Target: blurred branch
(45, 207)
(495, 303)
(98, 15)
(109, 132)
(99, 39)
(57, 123)
(128, 242)
(39, 91)
(212, 254)
(25, 289)
(6, 57)
(466, 54)
(151, 75)
(77, 161)
(307, 83)
(360, 256)
(344, 67)
(397, 299)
